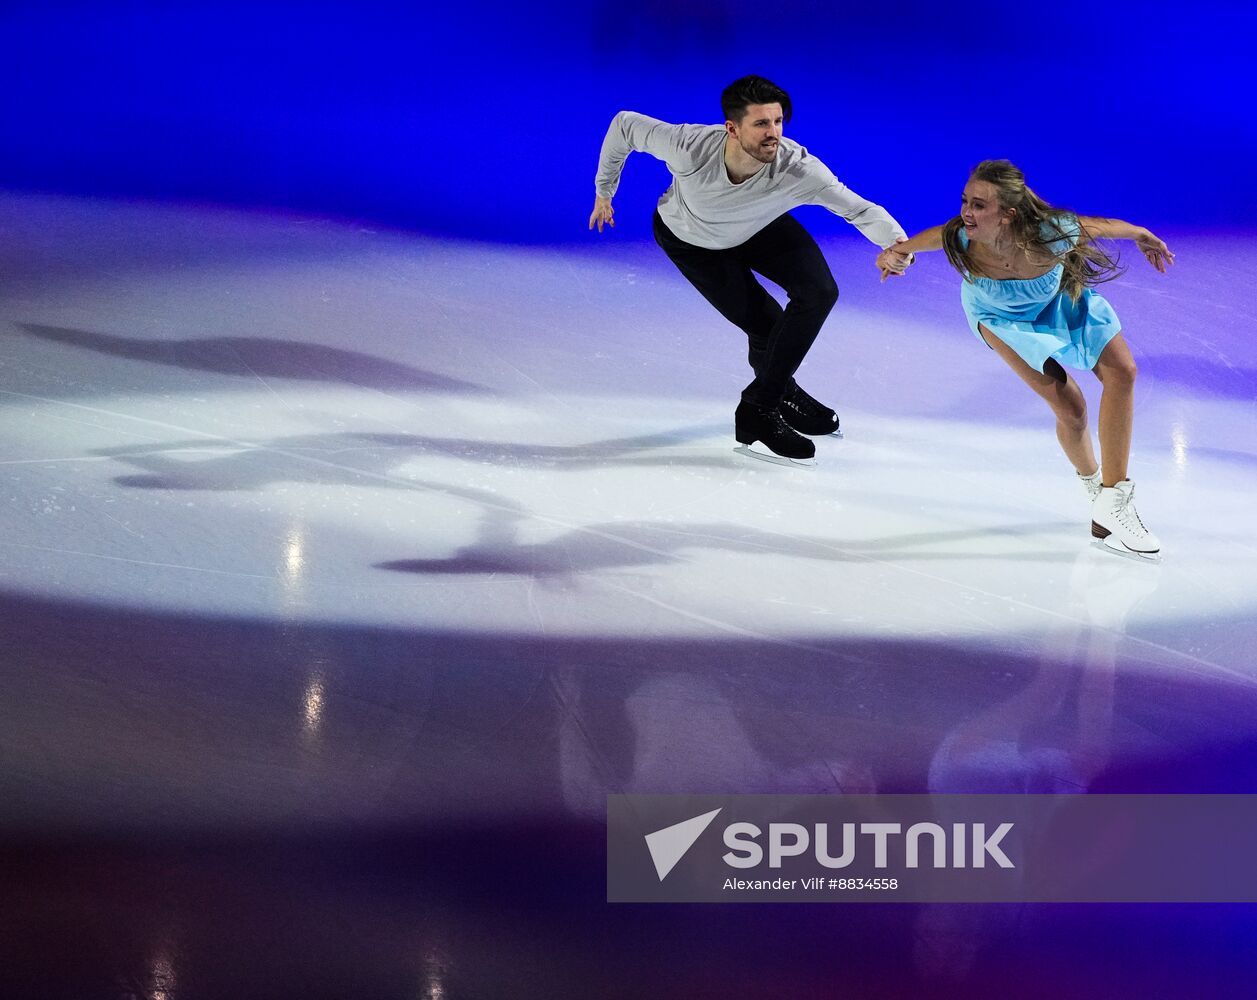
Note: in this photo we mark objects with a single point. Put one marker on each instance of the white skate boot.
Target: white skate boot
(1091, 484)
(1115, 521)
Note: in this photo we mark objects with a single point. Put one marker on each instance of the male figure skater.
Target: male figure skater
(725, 216)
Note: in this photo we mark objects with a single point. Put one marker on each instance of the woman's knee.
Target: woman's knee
(1116, 365)
(1070, 407)
(1121, 371)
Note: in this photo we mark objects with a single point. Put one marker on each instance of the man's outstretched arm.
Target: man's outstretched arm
(630, 132)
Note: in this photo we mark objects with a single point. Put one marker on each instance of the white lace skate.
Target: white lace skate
(1092, 484)
(1116, 523)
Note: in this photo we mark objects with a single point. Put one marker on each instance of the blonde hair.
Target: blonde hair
(1035, 226)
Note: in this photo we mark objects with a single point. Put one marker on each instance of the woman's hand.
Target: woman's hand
(1157, 253)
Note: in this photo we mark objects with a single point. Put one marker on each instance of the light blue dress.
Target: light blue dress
(1038, 320)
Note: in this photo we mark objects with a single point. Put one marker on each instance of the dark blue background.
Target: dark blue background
(484, 119)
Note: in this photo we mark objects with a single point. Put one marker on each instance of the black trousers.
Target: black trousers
(779, 339)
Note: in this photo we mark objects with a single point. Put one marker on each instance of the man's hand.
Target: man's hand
(603, 212)
(892, 263)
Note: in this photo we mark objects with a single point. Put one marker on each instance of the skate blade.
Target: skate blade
(1111, 544)
(768, 456)
(835, 433)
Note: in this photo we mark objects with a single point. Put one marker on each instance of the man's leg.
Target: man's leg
(724, 280)
(785, 253)
(728, 284)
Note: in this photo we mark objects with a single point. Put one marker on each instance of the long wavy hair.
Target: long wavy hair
(1035, 226)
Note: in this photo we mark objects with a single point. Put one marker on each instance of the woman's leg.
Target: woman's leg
(1066, 400)
(1114, 518)
(1116, 371)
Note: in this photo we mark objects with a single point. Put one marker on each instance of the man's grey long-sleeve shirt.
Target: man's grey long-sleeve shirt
(705, 208)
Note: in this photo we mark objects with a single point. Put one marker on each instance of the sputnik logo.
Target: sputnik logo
(669, 845)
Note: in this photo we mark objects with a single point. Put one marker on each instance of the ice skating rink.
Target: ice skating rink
(331, 550)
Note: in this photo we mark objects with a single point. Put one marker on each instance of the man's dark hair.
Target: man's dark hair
(741, 94)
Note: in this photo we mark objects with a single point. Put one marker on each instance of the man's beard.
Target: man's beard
(758, 152)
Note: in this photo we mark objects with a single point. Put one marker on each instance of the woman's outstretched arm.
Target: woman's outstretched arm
(1154, 250)
(889, 261)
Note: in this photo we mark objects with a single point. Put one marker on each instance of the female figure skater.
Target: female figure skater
(1028, 268)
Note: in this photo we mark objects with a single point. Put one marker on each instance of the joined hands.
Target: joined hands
(893, 262)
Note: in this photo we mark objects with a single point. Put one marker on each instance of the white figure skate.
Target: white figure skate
(1116, 523)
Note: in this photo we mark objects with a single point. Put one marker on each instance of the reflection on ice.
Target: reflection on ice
(556, 457)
